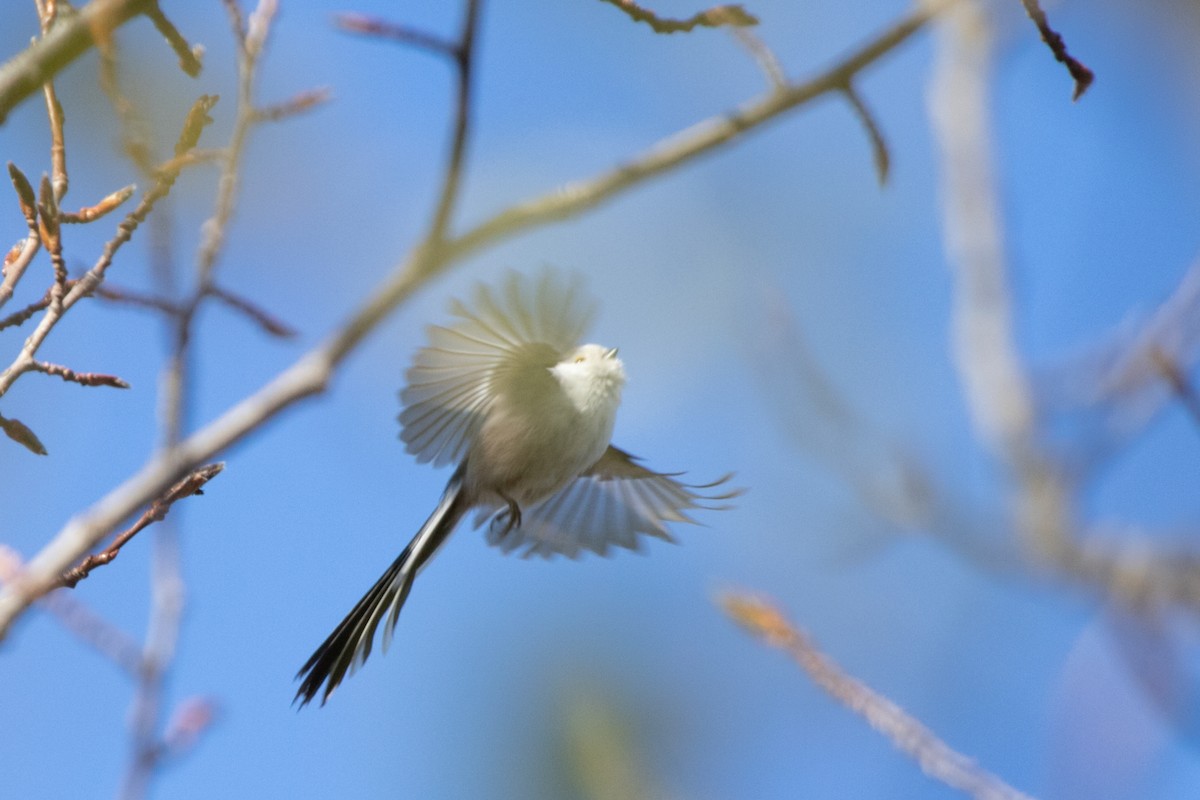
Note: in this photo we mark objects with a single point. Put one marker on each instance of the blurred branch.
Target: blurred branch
(879, 148)
(935, 758)
(311, 373)
(768, 62)
(110, 641)
(715, 17)
(1115, 389)
(67, 38)
(365, 25)
(998, 389)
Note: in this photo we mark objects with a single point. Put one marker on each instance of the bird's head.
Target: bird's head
(591, 375)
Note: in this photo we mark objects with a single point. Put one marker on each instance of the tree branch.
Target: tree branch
(68, 38)
(935, 758)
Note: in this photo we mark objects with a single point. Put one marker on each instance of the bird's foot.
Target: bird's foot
(512, 518)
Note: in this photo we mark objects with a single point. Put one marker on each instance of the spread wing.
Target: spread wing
(523, 323)
(611, 504)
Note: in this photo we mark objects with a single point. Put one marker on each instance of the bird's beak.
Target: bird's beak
(611, 353)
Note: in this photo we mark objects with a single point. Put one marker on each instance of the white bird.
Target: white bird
(507, 393)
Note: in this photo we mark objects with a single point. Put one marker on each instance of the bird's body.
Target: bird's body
(527, 414)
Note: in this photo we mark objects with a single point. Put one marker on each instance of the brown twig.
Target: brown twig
(715, 17)
(82, 378)
(25, 314)
(373, 26)
(268, 323)
(58, 149)
(189, 56)
(94, 212)
(192, 484)
(464, 56)
(767, 61)
(115, 294)
(1082, 76)
(879, 148)
(935, 758)
(1178, 382)
(302, 102)
(87, 284)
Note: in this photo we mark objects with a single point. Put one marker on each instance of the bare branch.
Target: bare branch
(906, 733)
(66, 40)
(82, 378)
(879, 148)
(715, 17)
(268, 323)
(768, 62)
(373, 26)
(189, 56)
(191, 485)
(1082, 76)
(83, 287)
(94, 212)
(464, 54)
(302, 102)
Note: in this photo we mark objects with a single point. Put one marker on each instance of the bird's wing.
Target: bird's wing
(524, 323)
(610, 504)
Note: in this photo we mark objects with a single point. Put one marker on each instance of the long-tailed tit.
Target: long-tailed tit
(508, 394)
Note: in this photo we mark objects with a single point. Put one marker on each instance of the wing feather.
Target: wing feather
(525, 321)
(613, 504)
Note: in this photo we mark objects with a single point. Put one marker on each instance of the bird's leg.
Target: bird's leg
(514, 515)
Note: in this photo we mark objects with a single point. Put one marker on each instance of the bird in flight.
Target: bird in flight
(507, 393)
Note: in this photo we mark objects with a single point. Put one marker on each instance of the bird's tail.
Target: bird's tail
(350, 643)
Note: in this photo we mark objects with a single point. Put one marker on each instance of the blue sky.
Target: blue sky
(493, 654)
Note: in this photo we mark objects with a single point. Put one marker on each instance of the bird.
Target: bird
(508, 395)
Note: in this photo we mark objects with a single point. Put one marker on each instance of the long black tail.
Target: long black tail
(350, 643)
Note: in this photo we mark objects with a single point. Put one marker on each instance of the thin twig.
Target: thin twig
(82, 378)
(464, 55)
(58, 149)
(935, 758)
(272, 325)
(105, 206)
(372, 26)
(189, 56)
(192, 484)
(767, 61)
(86, 285)
(1082, 76)
(715, 17)
(879, 148)
(302, 102)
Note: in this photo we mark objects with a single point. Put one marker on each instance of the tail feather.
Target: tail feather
(345, 650)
